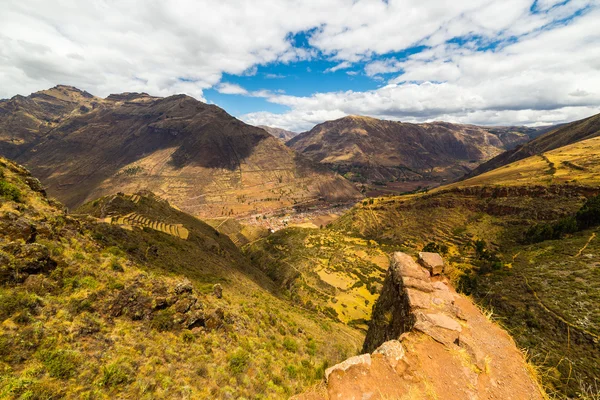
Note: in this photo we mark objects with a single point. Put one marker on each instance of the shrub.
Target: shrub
(290, 345)
(162, 321)
(435, 248)
(9, 191)
(12, 302)
(239, 361)
(60, 363)
(589, 214)
(115, 375)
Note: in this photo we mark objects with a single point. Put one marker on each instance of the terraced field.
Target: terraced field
(133, 219)
(330, 272)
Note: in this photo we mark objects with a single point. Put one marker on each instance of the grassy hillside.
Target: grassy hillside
(91, 309)
(493, 228)
(563, 135)
(337, 275)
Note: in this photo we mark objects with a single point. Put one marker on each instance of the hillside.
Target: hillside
(393, 157)
(149, 304)
(23, 120)
(426, 341)
(562, 136)
(279, 133)
(194, 154)
(518, 240)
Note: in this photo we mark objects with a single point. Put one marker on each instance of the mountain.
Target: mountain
(132, 298)
(196, 155)
(563, 135)
(23, 120)
(279, 133)
(371, 150)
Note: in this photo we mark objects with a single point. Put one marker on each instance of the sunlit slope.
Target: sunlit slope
(325, 270)
(95, 309)
(576, 163)
(562, 136)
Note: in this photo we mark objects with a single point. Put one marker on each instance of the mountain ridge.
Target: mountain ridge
(194, 154)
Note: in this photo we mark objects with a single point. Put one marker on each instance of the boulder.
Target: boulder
(184, 286)
(403, 265)
(393, 352)
(433, 262)
(363, 359)
(440, 327)
(215, 320)
(218, 290)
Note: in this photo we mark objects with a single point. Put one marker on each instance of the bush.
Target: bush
(589, 214)
(290, 345)
(239, 361)
(115, 375)
(60, 363)
(12, 302)
(162, 321)
(432, 247)
(9, 191)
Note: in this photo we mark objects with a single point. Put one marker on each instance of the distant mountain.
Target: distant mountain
(368, 149)
(552, 139)
(23, 120)
(279, 133)
(195, 155)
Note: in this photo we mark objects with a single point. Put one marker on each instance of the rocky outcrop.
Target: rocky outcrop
(427, 341)
(432, 261)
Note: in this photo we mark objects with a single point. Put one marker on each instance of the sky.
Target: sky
(296, 63)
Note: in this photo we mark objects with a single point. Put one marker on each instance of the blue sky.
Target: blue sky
(296, 63)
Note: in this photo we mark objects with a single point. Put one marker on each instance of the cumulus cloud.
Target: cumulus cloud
(547, 76)
(230, 88)
(340, 66)
(523, 60)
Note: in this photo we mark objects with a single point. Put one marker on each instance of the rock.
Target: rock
(32, 258)
(15, 227)
(404, 266)
(184, 304)
(418, 284)
(440, 286)
(35, 184)
(218, 290)
(393, 352)
(215, 320)
(444, 321)
(418, 299)
(439, 327)
(184, 286)
(363, 359)
(432, 261)
(160, 303)
(195, 319)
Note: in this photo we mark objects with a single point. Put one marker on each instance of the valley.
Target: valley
(279, 231)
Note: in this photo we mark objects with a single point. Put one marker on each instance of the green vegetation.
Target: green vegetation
(586, 217)
(335, 275)
(9, 191)
(91, 310)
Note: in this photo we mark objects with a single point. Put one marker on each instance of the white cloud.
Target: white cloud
(548, 76)
(540, 70)
(230, 88)
(340, 66)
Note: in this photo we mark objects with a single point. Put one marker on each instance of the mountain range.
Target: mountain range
(370, 150)
(194, 154)
(126, 293)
